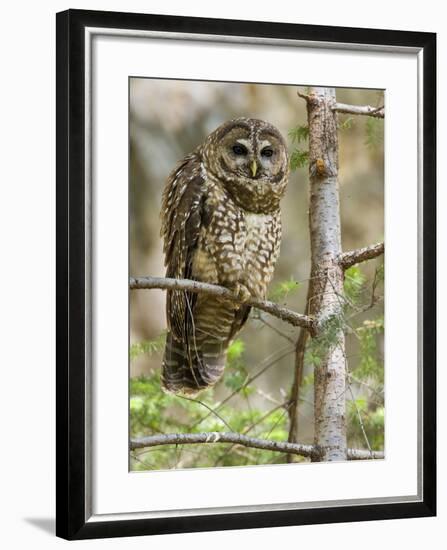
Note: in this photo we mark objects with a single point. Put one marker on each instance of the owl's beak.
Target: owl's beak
(254, 168)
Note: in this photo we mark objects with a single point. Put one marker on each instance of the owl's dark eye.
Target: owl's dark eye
(239, 149)
(267, 152)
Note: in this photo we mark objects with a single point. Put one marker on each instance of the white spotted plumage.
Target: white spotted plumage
(220, 224)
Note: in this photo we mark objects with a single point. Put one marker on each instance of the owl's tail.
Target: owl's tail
(196, 359)
(192, 366)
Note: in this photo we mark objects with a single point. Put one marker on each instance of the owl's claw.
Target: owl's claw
(242, 293)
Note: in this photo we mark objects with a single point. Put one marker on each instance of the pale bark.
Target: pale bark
(348, 259)
(309, 451)
(324, 299)
(366, 110)
(326, 282)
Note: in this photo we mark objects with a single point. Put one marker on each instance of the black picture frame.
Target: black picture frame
(71, 517)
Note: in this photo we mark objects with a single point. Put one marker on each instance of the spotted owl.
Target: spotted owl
(221, 224)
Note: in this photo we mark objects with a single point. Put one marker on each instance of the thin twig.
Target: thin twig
(284, 405)
(287, 315)
(377, 391)
(212, 411)
(269, 362)
(348, 259)
(134, 457)
(309, 451)
(275, 329)
(359, 416)
(366, 110)
(267, 396)
(374, 300)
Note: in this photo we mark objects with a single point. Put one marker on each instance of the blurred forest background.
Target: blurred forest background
(168, 119)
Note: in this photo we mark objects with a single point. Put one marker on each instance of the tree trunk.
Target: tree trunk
(325, 296)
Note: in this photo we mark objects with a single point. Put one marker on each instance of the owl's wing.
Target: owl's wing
(183, 212)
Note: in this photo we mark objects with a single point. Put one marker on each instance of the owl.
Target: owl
(220, 224)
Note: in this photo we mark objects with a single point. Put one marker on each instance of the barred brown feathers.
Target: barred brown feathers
(220, 224)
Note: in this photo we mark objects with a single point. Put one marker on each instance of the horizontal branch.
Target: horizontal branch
(287, 315)
(309, 451)
(367, 110)
(348, 259)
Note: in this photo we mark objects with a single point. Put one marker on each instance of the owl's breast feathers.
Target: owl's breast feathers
(236, 246)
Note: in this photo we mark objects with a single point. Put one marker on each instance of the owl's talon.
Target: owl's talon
(242, 293)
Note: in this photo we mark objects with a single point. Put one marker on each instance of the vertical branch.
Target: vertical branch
(300, 349)
(326, 275)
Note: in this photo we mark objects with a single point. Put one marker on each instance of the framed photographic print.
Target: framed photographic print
(233, 351)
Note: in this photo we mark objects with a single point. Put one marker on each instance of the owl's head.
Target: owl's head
(249, 156)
